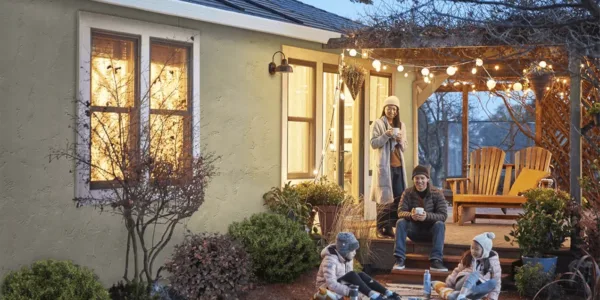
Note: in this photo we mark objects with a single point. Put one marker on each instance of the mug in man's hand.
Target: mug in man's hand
(419, 210)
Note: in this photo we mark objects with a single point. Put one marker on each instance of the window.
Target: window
(126, 108)
(301, 117)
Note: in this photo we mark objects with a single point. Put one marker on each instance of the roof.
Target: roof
(290, 11)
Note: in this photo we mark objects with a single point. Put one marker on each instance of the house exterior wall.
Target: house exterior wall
(240, 118)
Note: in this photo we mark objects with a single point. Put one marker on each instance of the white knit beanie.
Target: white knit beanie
(485, 240)
(392, 100)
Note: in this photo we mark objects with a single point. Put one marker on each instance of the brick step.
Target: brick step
(387, 245)
(415, 276)
(421, 261)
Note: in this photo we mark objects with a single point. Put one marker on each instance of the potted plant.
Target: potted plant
(594, 112)
(325, 197)
(543, 226)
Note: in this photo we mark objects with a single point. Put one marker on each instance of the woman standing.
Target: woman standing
(388, 139)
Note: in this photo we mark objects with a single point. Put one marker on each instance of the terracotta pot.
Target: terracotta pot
(327, 214)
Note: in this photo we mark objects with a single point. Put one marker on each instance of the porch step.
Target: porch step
(421, 261)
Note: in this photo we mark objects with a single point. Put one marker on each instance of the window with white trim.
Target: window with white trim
(138, 93)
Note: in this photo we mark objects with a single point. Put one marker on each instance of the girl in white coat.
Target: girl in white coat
(388, 140)
(477, 275)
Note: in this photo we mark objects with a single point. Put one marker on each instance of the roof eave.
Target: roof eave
(227, 18)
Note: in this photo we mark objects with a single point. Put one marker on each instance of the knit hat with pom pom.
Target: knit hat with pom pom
(485, 240)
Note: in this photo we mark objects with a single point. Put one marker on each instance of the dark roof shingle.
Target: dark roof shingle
(291, 11)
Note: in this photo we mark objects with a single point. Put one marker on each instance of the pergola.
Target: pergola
(559, 122)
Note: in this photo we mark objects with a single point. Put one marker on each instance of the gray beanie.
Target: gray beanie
(346, 243)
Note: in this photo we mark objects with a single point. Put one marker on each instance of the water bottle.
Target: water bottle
(427, 284)
(353, 292)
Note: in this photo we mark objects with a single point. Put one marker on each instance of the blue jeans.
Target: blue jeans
(476, 289)
(420, 232)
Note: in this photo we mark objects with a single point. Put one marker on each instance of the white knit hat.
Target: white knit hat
(392, 100)
(485, 240)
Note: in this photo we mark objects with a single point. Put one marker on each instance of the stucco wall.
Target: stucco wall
(241, 117)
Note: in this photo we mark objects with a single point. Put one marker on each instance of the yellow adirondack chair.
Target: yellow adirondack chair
(535, 158)
(485, 170)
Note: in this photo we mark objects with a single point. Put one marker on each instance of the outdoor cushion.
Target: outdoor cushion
(527, 179)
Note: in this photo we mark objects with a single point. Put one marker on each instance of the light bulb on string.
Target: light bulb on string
(365, 54)
(425, 71)
(405, 74)
(376, 64)
(400, 68)
(479, 62)
(474, 70)
(426, 79)
(352, 52)
(497, 67)
(491, 84)
(543, 64)
(451, 70)
(445, 83)
(517, 86)
(431, 75)
(385, 67)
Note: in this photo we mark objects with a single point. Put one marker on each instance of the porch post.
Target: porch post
(575, 141)
(575, 129)
(465, 130)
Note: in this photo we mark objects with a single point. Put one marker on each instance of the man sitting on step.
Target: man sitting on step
(422, 215)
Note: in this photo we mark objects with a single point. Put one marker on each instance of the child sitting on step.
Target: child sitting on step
(478, 274)
(336, 272)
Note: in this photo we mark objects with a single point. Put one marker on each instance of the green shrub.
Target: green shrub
(279, 249)
(131, 291)
(218, 267)
(286, 200)
(530, 279)
(52, 279)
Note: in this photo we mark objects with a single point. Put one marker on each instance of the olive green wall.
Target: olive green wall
(241, 119)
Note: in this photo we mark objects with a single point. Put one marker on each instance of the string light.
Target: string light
(474, 70)
(405, 74)
(491, 84)
(400, 68)
(542, 64)
(451, 70)
(479, 62)
(385, 67)
(425, 71)
(352, 52)
(431, 75)
(517, 86)
(376, 64)
(497, 67)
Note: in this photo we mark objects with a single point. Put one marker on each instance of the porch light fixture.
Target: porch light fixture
(283, 68)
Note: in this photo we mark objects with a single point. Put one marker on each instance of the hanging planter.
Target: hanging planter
(540, 77)
(354, 77)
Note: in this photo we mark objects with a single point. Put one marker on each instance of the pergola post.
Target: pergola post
(465, 130)
(575, 129)
(575, 141)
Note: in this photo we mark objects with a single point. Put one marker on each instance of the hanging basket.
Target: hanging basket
(354, 77)
(539, 83)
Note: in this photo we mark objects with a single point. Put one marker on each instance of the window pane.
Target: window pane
(167, 136)
(440, 135)
(299, 147)
(110, 137)
(169, 73)
(301, 91)
(113, 72)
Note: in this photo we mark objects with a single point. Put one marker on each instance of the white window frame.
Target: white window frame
(145, 31)
(319, 58)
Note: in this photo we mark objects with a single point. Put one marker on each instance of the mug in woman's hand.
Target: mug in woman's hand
(396, 131)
